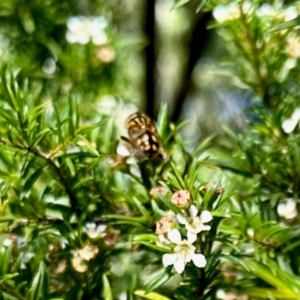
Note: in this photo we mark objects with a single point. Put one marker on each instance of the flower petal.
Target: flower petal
(169, 259)
(193, 211)
(179, 266)
(174, 236)
(205, 216)
(288, 125)
(191, 237)
(296, 115)
(122, 150)
(181, 219)
(204, 228)
(199, 260)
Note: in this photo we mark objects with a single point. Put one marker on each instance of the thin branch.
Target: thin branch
(58, 172)
(52, 165)
(255, 57)
(9, 290)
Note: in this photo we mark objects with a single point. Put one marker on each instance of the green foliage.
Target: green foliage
(78, 222)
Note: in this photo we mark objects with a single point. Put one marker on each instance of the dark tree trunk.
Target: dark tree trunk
(196, 45)
(150, 58)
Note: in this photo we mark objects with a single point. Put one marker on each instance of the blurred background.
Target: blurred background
(117, 57)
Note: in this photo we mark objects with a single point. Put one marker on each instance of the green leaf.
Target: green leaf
(180, 3)
(292, 23)
(201, 5)
(168, 203)
(8, 277)
(71, 112)
(5, 257)
(9, 116)
(7, 219)
(203, 146)
(120, 219)
(268, 275)
(40, 136)
(150, 296)
(14, 102)
(38, 289)
(268, 293)
(237, 261)
(178, 177)
(173, 181)
(71, 166)
(59, 124)
(28, 165)
(234, 165)
(152, 246)
(32, 179)
(157, 279)
(141, 208)
(149, 237)
(107, 292)
(162, 121)
(87, 128)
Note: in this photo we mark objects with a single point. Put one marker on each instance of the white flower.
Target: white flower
(194, 224)
(290, 13)
(82, 256)
(106, 54)
(84, 29)
(78, 263)
(184, 252)
(266, 10)
(289, 125)
(288, 209)
(293, 44)
(88, 252)
(49, 66)
(231, 11)
(93, 231)
(223, 13)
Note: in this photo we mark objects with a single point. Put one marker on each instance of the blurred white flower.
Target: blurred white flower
(164, 225)
(117, 109)
(230, 296)
(85, 29)
(27, 256)
(250, 232)
(79, 264)
(195, 224)
(88, 252)
(61, 267)
(4, 44)
(181, 198)
(290, 13)
(266, 10)
(49, 66)
(106, 53)
(293, 45)
(82, 256)
(287, 209)
(231, 11)
(289, 125)
(223, 13)
(184, 252)
(93, 231)
(289, 64)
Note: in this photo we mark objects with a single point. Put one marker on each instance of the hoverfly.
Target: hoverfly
(143, 141)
